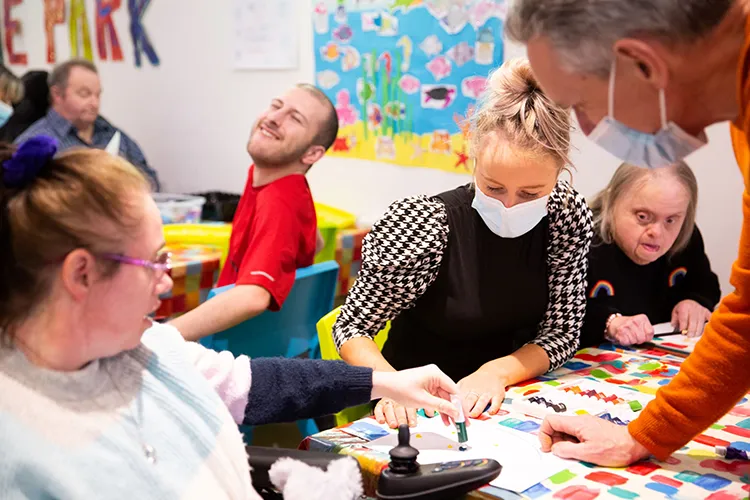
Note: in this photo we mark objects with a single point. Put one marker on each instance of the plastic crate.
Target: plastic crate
(330, 221)
(216, 234)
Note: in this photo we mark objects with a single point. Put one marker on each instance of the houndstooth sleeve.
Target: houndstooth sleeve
(570, 223)
(401, 257)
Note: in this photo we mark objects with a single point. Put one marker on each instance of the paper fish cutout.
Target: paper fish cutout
(395, 110)
(409, 84)
(385, 148)
(350, 59)
(482, 10)
(431, 46)
(340, 15)
(330, 52)
(440, 142)
(365, 90)
(406, 46)
(419, 151)
(440, 67)
(473, 86)
(320, 18)
(374, 115)
(455, 20)
(343, 33)
(346, 112)
(485, 47)
(461, 53)
(440, 8)
(387, 25)
(437, 96)
(327, 79)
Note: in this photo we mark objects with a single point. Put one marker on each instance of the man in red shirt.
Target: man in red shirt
(274, 231)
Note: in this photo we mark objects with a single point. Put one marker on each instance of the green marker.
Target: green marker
(463, 437)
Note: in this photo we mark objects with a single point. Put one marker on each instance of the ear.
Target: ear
(644, 59)
(78, 273)
(56, 92)
(312, 155)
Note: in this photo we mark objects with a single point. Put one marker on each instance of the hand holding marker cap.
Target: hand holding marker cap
(463, 437)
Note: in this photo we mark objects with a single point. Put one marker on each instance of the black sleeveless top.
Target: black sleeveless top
(488, 299)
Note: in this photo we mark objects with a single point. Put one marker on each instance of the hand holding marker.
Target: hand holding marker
(463, 437)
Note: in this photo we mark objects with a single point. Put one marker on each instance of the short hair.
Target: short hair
(61, 73)
(583, 32)
(326, 136)
(626, 176)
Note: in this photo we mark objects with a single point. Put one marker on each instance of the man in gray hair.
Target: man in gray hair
(645, 78)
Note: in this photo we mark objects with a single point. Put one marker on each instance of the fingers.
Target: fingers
(443, 382)
(443, 407)
(411, 416)
(693, 323)
(497, 401)
(379, 413)
(682, 318)
(469, 401)
(558, 424)
(644, 330)
(572, 450)
(480, 405)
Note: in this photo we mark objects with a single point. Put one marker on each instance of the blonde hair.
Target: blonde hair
(11, 87)
(514, 106)
(62, 209)
(626, 177)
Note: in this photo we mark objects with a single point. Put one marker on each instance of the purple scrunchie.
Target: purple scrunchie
(28, 160)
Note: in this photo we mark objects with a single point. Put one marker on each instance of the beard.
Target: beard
(277, 154)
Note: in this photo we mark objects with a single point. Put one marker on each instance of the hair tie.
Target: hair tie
(28, 160)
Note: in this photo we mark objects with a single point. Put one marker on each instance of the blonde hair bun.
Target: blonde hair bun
(514, 105)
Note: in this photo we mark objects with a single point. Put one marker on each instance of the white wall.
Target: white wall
(191, 115)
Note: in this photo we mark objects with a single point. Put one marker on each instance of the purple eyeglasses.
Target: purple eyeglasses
(160, 265)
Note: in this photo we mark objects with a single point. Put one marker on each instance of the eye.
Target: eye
(297, 119)
(642, 216)
(493, 189)
(528, 196)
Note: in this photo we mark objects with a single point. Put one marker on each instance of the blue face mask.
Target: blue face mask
(668, 146)
(6, 111)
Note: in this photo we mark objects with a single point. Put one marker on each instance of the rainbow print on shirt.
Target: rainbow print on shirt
(602, 288)
(676, 275)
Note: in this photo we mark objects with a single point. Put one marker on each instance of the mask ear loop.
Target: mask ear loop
(611, 96)
(663, 108)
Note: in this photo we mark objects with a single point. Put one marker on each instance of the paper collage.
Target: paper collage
(524, 464)
(404, 74)
(676, 343)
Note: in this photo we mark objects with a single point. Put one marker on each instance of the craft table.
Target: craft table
(694, 472)
(195, 270)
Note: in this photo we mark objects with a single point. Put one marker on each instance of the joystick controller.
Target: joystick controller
(405, 479)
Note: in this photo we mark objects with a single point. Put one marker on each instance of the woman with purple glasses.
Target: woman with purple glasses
(98, 402)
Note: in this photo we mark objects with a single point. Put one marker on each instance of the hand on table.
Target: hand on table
(590, 439)
(425, 387)
(630, 330)
(690, 317)
(479, 389)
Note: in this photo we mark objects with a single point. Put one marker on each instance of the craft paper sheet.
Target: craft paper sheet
(524, 464)
(404, 74)
(265, 34)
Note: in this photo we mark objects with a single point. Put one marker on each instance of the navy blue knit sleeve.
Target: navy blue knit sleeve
(285, 390)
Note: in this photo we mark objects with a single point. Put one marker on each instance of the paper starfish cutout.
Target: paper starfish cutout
(463, 158)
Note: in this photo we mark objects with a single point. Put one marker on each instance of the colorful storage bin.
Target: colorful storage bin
(215, 234)
(349, 257)
(330, 221)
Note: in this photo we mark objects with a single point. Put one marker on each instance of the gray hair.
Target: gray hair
(627, 177)
(583, 32)
(60, 75)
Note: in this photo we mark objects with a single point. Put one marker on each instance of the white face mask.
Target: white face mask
(668, 146)
(509, 222)
(6, 111)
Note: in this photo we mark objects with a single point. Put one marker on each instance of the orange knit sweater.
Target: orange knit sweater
(717, 374)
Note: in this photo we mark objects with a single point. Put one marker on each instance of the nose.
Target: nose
(164, 284)
(508, 200)
(654, 231)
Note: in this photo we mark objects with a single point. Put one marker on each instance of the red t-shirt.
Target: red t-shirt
(274, 233)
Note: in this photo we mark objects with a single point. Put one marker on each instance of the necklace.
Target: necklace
(148, 450)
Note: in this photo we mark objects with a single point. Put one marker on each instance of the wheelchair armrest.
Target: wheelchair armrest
(262, 458)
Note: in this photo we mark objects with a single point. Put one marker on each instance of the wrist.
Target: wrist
(495, 371)
(380, 384)
(637, 450)
(608, 325)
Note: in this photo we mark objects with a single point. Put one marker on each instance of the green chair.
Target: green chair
(328, 351)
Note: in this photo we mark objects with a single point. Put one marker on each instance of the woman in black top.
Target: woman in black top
(487, 280)
(647, 264)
